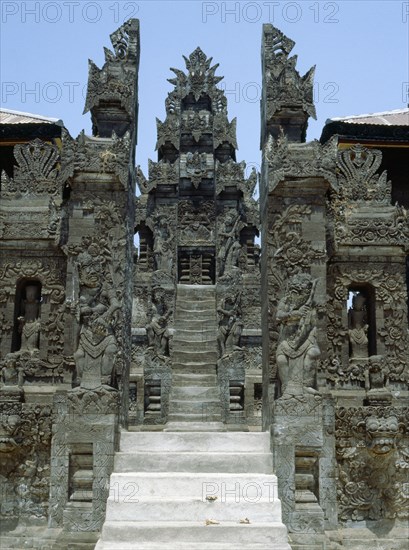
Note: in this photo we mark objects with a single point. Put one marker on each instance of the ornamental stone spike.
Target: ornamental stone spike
(287, 100)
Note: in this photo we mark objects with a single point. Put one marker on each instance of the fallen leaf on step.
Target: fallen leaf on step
(212, 498)
(245, 520)
(212, 522)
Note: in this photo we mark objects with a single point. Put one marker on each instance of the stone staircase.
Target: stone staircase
(195, 396)
(193, 491)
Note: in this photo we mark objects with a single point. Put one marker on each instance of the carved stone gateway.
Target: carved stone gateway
(124, 314)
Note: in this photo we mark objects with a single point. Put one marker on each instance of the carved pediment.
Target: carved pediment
(36, 172)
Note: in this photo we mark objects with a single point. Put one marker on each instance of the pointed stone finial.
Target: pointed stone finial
(112, 90)
(287, 97)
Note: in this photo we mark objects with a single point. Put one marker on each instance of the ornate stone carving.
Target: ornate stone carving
(224, 131)
(200, 80)
(358, 327)
(230, 225)
(96, 312)
(358, 180)
(163, 173)
(36, 172)
(115, 82)
(372, 453)
(293, 160)
(391, 331)
(196, 167)
(230, 324)
(297, 351)
(168, 131)
(285, 86)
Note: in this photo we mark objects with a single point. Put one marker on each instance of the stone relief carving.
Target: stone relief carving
(36, 172)
(372, 453)
(230, 324)
(391, 332)
(96, 311)
(300, 160)
(168, 131)
(284, 83)
(358, 179)
(196, 167)
(230, 225)
(30, 324)
(196, 123)
(199, 80)
(163, 246)
(115, 81)
(11, 373)
(297, 351)
(224, 131)
(87, 155)
(358, 327)
(163, 173)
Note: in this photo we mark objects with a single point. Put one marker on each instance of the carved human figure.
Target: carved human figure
(162, 249)
(157, 329)
(96, 312)
(228, 250)
(11, 373)
(297, 350)
(358, 327)
(230, 325)
(29, 320)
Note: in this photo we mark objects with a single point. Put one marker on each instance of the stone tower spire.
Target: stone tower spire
(287, 100)
(197, 222)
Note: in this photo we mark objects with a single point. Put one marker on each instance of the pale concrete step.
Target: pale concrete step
(194, 367)
(187, 378)
(194, 510)
(192, 485)
(197, 348)
(183, 426)
(234, 442)
(189, 546)
(195, 392)
(194, 417)
(198, 406)
(195, 324)
(198, 356)
(194, 337)
(190, 532)
(200, 310)
(196, 461)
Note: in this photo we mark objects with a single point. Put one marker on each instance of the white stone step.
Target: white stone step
(193, 510)
(191, 357)
(231, 487)
(187, 378)
(194, 462)
(183, 426)
(233, 442)
(190, 532)
(205, 416)
(195, 392)
(195, 406)
(190, 546)
(194, 346)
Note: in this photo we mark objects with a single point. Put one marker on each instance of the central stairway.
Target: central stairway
(193, 491)
(194, 402)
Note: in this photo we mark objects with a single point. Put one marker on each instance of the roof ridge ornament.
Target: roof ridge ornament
(287, 96)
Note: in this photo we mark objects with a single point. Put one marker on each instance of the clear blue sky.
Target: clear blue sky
(360, 49)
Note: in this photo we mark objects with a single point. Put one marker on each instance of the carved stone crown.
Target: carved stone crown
(358, 178)
(111, 94)
(199, 81)
(288, 100)
(36, 171)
